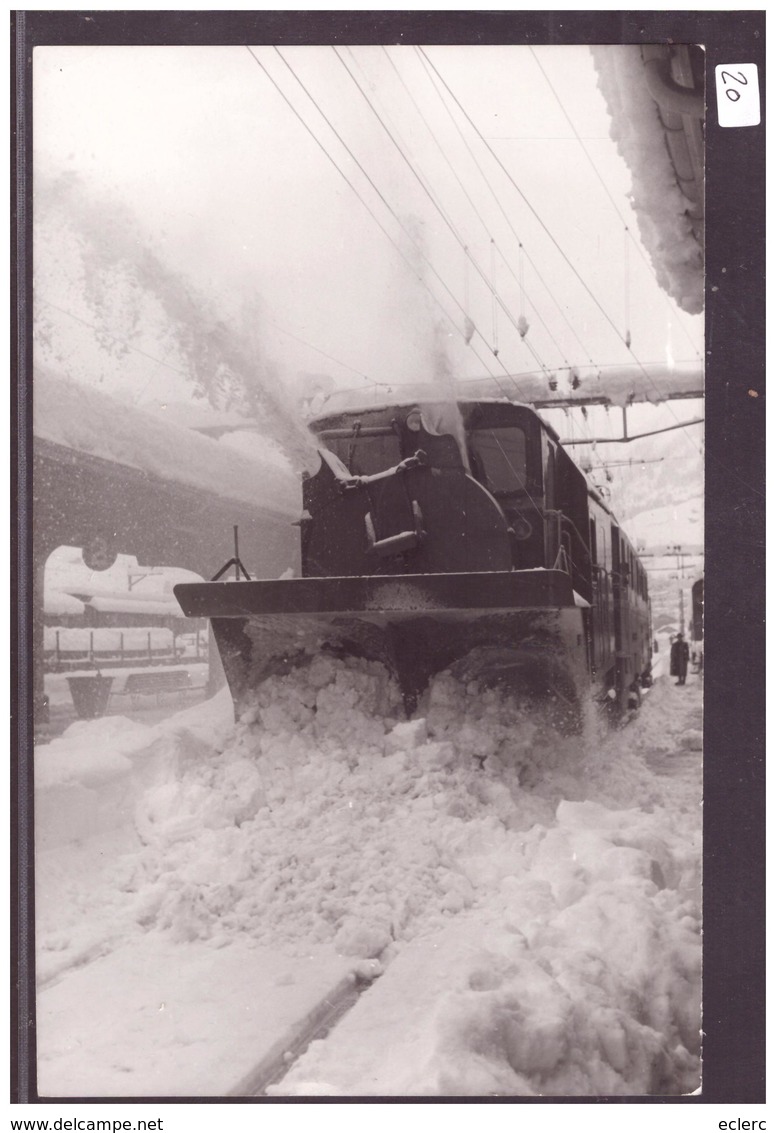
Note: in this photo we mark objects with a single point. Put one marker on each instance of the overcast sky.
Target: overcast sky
(369, 200)
(210, 156)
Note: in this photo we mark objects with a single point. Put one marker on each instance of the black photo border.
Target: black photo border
(734, 745)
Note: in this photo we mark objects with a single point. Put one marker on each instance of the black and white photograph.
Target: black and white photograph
(366, 594)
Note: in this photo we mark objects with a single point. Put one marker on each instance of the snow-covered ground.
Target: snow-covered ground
(148, 707)
(523, 909)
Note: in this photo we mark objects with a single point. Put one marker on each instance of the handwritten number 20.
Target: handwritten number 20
(732, 93)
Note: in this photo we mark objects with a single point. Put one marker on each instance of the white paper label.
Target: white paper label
(738, 94)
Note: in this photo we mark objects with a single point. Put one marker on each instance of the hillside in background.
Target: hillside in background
(661, 500)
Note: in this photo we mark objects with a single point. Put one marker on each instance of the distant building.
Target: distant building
(125, 594)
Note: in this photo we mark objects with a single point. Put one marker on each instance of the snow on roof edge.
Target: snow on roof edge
(89, 421)
(620, 386)
(660, 206)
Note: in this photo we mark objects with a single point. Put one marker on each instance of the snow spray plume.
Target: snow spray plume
(129, 293)
(438, 334)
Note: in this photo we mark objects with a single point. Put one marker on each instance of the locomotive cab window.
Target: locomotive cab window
(499, 458)
(367, 455)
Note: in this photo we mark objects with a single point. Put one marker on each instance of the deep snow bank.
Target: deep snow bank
(533, 902)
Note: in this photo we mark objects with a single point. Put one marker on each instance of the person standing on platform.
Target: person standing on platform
(680, 656)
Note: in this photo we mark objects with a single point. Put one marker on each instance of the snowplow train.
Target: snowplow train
(442, 535)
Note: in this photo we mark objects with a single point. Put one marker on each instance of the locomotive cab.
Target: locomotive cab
(444, 535)
(473, 463)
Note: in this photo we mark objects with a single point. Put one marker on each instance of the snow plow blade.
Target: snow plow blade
(519, 629)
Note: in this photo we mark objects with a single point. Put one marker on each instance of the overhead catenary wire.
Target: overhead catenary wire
(534, 212)
(424, 187)
(431, 71)
(607, 190)
(434, 197)
(113, 337)
(523, 485)
(445, 312)
(387, 204)
(309, 95)
(438, 144)
(371, 212)
(323, 353)
(532, 209)
(176, 369)
(431, 197)
(420, 176)
(130, 347)
(523, 297)
(519, 279)
(376, 188)
(474, 207)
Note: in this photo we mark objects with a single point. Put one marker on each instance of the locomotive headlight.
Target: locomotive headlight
(414, 420)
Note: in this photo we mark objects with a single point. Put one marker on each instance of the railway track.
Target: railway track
(317, 1024)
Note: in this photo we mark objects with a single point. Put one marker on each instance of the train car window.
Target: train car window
(364, 456)
(500, 455)
(593, 542)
